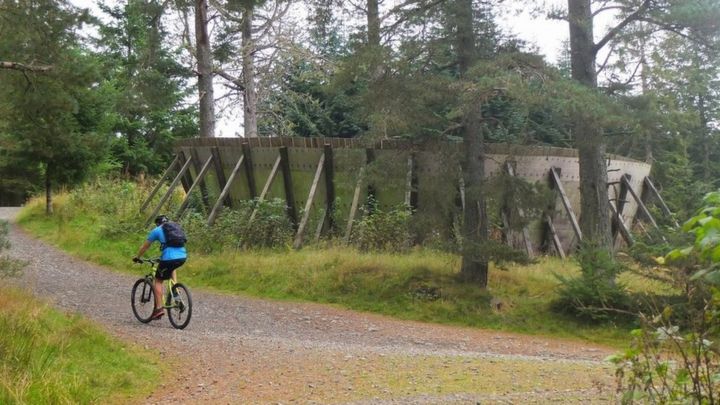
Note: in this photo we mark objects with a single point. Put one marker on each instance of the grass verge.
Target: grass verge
(47, 357)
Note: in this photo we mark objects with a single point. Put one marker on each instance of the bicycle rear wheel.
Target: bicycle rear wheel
(180, 311)
(142, 300)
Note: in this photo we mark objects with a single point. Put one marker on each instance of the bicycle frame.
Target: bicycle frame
(168, 285)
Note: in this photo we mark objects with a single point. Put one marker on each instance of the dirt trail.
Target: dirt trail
(246, 350)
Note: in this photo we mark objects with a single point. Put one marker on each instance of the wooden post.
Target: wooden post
(354, 205)
(198, 180)
(308, 204)
(329, 188)
(557, 183)
(621, 199)
(160, 182)
(249, 171)
(220, 172)
(287, 183)
(169, 192)
(649, 184)
(225, 192)
(186, 180)
(203, 186)
(371, 192)
(408, 181)
(461, 185)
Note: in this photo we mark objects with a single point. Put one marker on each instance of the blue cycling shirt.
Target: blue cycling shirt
(169, 253)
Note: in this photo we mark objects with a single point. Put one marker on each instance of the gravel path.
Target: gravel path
(247, 350)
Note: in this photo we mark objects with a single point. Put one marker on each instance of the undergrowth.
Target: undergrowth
(419, 284)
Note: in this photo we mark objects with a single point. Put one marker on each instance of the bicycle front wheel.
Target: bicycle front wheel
(180, 311)
(142, 300)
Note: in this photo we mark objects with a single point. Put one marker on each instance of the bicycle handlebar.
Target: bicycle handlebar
(150, 261)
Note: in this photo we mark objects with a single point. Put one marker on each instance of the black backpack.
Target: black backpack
(174, 235)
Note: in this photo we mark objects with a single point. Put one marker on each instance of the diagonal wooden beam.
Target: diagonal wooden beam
(557, 183)
(639, 202)
(321, 225)
(618, 221)
(169, 192)
(308, 204)
(198, 181)
(270, 179)
(268, 184)
(219, 170)
(650, 186)
(521, 213)
(554, 236)
(160, 183)
(203, 186)
(225, 191)
(354, 205)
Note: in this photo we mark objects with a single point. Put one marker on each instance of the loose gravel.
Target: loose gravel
(245, 350)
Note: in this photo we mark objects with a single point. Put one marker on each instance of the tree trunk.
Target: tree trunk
(48, 192)
(204, 71)
(249, 96)
(595, 216)
(706, 137)
(475, 223)
(465, 41)
(373, 23)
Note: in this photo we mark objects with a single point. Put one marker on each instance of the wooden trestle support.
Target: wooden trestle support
(324, 174)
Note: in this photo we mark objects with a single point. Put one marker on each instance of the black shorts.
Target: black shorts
(166, 267)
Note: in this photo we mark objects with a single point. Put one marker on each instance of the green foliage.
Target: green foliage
(270, 228)
(56, 127)
(145, 86)
(48, 357)
(674, 357)
(595, 295)
(113, 203)
(383, 231)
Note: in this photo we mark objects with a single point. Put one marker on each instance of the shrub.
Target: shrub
(675, 358)
(387, 231)
(595, 295)
(269, 228)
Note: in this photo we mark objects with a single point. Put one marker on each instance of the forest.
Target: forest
(93, 94)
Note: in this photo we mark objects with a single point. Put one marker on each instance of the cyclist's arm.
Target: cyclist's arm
(145, 246)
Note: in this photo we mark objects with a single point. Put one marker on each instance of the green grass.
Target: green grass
(47, 357)
(421, 285)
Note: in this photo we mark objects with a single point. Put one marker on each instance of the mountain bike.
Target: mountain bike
(177, 302)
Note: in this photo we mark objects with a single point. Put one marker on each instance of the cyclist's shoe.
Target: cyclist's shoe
(157, 314)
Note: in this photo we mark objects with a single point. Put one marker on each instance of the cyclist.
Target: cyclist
(172, 257)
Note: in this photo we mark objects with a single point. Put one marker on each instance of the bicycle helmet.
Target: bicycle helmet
(161, 219)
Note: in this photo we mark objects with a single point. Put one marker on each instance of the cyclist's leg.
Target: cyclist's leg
(161, 274)
(157, 287)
